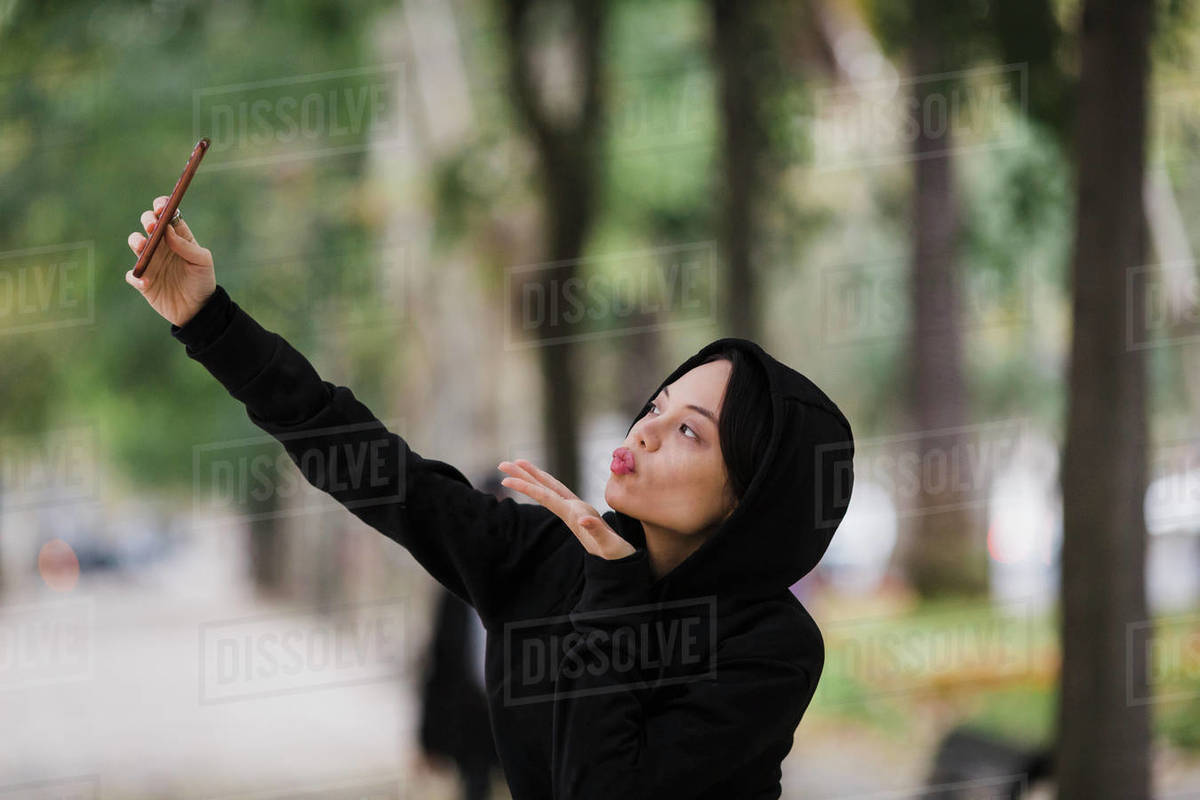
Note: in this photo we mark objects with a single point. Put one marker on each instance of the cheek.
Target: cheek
(681, 470)
(684, 489)
(698, 471)
(706, 489)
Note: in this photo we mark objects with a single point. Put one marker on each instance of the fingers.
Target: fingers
(517, 471)
(591, 530)
(607, 542)
(150, 220)
(181, 227)
(186, 246)
(178, 238)
(136, 243)
(536, 491)
(545, 478)
(521, 479)
(552, 493)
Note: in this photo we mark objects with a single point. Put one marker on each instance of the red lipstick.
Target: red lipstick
(622, 461)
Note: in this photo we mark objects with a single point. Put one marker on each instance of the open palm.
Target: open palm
(596, 536)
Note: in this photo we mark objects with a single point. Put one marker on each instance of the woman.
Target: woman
(727, 490)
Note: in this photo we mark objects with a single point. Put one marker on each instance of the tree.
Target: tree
(741, 48)
(945, 552)
(1103, 738)
(942, 549)
(567, 147)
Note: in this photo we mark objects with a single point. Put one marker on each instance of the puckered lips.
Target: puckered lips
(622, 461)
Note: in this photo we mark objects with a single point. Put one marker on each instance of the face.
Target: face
(679, 481)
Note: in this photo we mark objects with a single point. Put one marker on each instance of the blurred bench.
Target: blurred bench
(972, 765)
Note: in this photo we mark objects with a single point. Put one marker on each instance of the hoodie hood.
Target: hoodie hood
(793, 504)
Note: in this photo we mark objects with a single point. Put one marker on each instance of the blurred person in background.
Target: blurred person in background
(454, 715)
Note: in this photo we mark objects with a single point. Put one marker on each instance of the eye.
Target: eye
(688, 428)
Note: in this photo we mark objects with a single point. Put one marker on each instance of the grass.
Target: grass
(942, 663)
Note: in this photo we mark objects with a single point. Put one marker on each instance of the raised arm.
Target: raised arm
(477, 546)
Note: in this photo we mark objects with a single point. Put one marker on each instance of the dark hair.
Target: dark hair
(745, 422)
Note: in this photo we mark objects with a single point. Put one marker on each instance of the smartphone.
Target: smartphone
(181, 186)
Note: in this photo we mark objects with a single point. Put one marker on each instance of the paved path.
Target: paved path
(116, 679)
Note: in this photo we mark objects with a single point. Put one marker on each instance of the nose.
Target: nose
(646, 434)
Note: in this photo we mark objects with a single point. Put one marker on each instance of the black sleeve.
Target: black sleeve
(477, 546)
(212, 318)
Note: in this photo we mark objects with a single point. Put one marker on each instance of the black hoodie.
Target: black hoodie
(588, 697)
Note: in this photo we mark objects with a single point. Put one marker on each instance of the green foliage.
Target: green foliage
(1024, 714)
(1181, 724)
(96, 119)
(957, 658)
(97, 113)
(1017, 238)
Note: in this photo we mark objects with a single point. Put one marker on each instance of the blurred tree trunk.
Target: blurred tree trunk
(2, 526)
(741, 45)
(568, 152)
(1103, 738)
(943, 550)
(641, 363)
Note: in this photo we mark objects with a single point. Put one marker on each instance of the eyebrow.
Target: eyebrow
(711, 417)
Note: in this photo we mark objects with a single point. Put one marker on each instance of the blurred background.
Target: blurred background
(501, 224)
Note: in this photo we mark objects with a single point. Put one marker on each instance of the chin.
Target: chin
(615, 497)
(608, 494)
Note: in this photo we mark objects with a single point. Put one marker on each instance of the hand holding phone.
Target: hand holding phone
(176, 279)
(181, 185)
